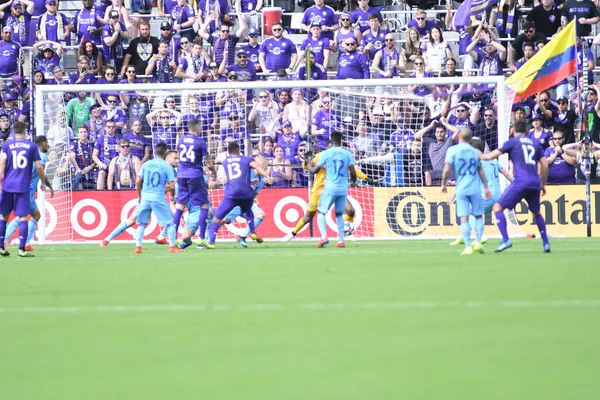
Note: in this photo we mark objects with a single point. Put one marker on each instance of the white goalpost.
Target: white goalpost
(378, 118)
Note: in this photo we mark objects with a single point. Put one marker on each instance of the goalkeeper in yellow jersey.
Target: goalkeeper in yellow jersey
(313, 202)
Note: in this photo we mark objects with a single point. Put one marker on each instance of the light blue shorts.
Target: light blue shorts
(237, 212)
(328, 198)
(161, 210)
(469, 204)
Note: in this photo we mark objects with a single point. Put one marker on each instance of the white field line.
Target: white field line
(508, 304)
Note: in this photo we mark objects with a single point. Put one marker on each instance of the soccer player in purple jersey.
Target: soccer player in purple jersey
(238, 191)
(192, 187)
(16, 161)
(525, 154)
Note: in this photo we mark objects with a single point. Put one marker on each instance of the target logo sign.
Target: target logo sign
(358, 215)
(288, 211)
(89, 218)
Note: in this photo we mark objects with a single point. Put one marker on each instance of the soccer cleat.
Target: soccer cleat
(209, 246)
(202, 243)
(547, 248)
(458, 241)
(138, 249)
(322, 243)
(104, 243)
(255, 237)
(29, 248)
(467, 251)
(340, 245)
(173, 249)
(25, 254)
(241, 241)
(4, 252)
(503, 246)
(183, 244)
(161, 241)
(478, 247)
(288, 237)
(484, 239)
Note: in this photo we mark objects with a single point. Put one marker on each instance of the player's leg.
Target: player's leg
(340, 210)
(477, 209)
(11, 228)
(6, 206)
(199, 196)
(463, 210)
(224, 208)
(311, 210)
(229, 218)
(183, 196)
(248, 212)
(533, 201)
(144, 211)
(325, 203)
(32, 225)
(259, 216)
(164, 216)
(191, 226)
(509, 199)
(122, 227)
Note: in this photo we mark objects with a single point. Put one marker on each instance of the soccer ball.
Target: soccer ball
(348, 228)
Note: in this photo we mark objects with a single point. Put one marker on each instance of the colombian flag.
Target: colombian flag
(553, 63)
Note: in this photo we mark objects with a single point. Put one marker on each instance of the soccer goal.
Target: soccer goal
(390, 126)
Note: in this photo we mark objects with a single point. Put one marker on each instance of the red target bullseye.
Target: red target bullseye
(288, 211)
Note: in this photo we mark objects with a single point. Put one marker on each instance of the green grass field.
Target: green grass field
(377, 320)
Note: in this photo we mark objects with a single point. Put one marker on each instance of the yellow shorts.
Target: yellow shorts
(313, 202)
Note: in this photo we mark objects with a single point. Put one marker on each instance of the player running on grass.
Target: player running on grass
(316, 191)
(492, 169)
(337, 162)
(238, 191)
(259, 215)
(18, 158)
(173, 160)
(42, 145)
(464, 159)
(528, 183)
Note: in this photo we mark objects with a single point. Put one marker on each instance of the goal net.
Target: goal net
(398, 131)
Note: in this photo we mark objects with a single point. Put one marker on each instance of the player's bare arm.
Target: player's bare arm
(488, 192)
(2, 166)
(544, 174)
(491, 155)
(139, 182)
(445, 174)
(507, 174)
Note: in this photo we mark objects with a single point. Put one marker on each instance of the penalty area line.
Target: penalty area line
(507, 304)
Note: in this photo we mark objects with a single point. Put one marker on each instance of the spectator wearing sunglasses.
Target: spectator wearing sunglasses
(491, 59)
(515, 52)
(225, 40)
(53, 25)
(545, 107)
(345, 31)
(360, 16)
(114, 34)
(112, 113)
(421, 23)
(17, 18)
(252, 49)
(387, 60)
(140, 50)
(561, 165)
(352, 64)
(300, 175)
(123, 168)
(538, 134)
(322, 15)
(546, 16)
(319, 45)
(277, 52)
(487, 129)
(183, 18)
(86, 25)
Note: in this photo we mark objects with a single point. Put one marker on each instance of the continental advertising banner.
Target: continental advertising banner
(425, 212)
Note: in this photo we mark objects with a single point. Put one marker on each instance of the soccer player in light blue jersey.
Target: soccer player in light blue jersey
(173, 160)
(42, 145)
(464, 159)
(154, 178)
(492, 170)
(337, 162)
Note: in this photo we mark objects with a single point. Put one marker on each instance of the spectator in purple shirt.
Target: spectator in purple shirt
(213, 12)
(373, 39)
(161, 66)
(90, 50)
(421, 23)
(317, 71)
(83, 74)
(360, 16)
(224, 41)
(53, 25)
(183, 18)
(352, 64)
(322, 15)
(114, 34)
(11, 54)
(86, 23)
(48, 58)
(17, 18)
(253, 48)
(538, 133)
(561, 166)
(320, 46)
(491, 59)
(277, 52)
(324, 122)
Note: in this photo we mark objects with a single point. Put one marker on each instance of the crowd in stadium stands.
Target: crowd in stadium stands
(102, 138)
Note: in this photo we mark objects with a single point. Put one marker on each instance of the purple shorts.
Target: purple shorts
(17, 202)
(514, 194)
(192, 191)
(229, 204)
